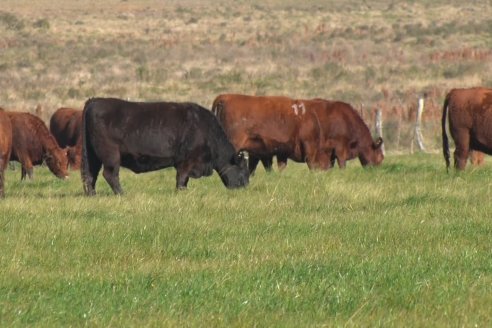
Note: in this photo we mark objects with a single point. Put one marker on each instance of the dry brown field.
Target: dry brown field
(372, 54)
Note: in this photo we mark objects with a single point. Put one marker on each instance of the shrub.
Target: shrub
(11, 22)
(43, 24)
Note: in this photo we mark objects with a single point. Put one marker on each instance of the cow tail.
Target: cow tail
(86, 149)
(217, 108)
(445, 141)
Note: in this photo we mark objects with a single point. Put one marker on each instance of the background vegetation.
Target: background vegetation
(401, 244)
(372, 54)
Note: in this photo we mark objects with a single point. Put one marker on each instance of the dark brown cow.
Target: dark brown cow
(32, 143)
(66, 127)
(146, 137)
(271, 126)
(470, 123)
(5, 147)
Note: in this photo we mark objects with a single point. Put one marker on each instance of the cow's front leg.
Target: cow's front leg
(252, 164)
(182, 179)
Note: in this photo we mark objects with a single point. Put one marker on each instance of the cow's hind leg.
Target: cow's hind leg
(341, 154)
(90, 175)
(111, 174)
(26, 169)
(2, 176)
(461, 153)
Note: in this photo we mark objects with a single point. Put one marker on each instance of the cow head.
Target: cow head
(57, 161)
(236, 173)
(374, 155)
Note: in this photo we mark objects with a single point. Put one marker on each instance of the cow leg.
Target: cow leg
(111, 174)
(281, 162)
(477, 157)
(267, 163)
(26, 169)
(333, 159)
(23, 173)
(341, 155)
(90, 176)
(462, 141)
(182, 175)
(182, 179)
(252, 164)
(2, 175)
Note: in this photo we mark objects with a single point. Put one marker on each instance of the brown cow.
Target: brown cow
(470, 121)
(32, 143)
(271, 126)
(5, 147)
(66, 127)
(345, 135)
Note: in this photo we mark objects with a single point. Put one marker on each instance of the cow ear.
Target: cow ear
(241, 160)
(378, 143)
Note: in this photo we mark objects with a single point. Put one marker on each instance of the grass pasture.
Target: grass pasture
(402, 243)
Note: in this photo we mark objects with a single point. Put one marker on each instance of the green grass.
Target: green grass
(404, 243)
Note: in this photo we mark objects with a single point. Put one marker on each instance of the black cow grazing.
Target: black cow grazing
(146, 137)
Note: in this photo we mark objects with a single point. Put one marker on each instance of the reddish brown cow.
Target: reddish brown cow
(271, 126)
(32, 143)
(5, 146)
(470, 122)
(66, 127)
(345, 135)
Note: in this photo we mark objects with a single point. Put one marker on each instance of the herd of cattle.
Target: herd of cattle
(112, 133)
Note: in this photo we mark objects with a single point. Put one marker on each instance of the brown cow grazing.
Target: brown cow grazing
(470, 122)
(66, 127)
(145, 137)
(32, 143)
(5, 147)
(270, 126)
(343, 133)
(346, 134)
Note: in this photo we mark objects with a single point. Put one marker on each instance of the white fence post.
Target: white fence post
(418, 132)
(379, 125)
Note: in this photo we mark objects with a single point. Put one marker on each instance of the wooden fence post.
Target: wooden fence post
(418, 131)
(379, 126)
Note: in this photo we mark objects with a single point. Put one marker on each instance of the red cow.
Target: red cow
(470, 122)
(5, 147)
(66, 127)
(32, 143)
(271, 126)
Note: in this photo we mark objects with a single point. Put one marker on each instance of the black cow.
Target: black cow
(146, 137)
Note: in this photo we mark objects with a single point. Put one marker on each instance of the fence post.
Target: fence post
(418, 131)
(379, 126)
